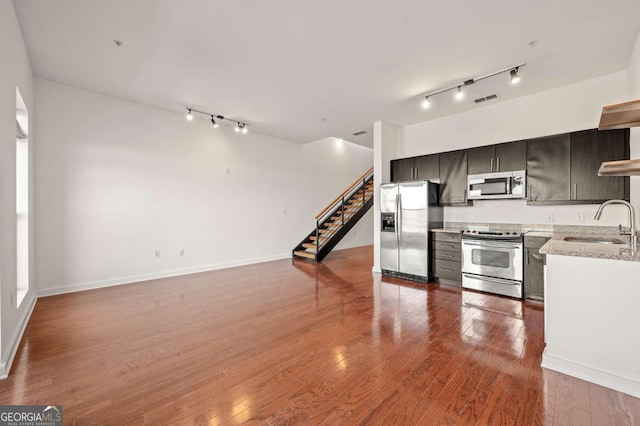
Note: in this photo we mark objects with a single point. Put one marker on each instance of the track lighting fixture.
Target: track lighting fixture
(515, 77)
(459, 94)
(240, 127)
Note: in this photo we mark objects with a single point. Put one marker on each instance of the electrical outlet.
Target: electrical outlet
(580, 217)
(549, 217)
(228, 171)
(157, 253)
(11, 300)
(181, 252)
(284, 211)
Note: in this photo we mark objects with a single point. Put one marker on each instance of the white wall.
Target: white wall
(633, 75)
(568, 108)
(116, 181)
(15, 71)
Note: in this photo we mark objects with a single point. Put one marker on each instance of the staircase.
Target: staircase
(337, 219)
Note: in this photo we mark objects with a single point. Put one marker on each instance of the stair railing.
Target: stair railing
(338, 202)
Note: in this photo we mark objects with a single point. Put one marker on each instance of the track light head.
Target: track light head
(426, 103)
(244, 128)
(189, 114)
(237, 128)
(459, 94)
(515, 77)
(213, 122)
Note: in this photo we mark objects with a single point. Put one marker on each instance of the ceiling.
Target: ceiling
(305, 70)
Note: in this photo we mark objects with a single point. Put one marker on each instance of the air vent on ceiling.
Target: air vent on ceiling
(361, 132)
(486, 98)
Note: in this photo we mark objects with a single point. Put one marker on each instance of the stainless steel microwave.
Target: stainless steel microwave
(491, 186)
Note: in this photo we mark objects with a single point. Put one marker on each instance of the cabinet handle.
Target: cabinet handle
(492, 165)
(575, 191)
(498, 164)
(447, 269)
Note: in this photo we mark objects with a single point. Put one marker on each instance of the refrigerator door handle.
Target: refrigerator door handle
(399, 224)
(396, 220)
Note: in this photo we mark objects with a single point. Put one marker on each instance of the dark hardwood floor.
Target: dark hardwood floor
(289, 342)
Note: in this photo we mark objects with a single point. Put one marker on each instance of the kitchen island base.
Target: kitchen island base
(592, 320)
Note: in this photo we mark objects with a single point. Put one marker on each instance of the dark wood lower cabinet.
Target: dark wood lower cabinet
(445, 258)
(534, 262)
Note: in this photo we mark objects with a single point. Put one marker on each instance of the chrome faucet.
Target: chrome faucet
(632, 218)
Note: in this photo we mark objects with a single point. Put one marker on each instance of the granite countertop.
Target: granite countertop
(449, 230)
(557, 245)
(545, 234)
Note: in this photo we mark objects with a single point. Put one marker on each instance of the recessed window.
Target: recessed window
(22, 199)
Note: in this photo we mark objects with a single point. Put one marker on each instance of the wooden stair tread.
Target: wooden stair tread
(310, 246)
(326, 231)
(305, 254)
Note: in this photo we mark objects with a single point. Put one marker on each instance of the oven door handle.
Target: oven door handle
(490, 244)
(491, 279)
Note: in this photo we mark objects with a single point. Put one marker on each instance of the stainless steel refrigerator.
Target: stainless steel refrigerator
(408, 211)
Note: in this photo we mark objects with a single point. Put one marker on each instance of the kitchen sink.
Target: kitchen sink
(594, 240)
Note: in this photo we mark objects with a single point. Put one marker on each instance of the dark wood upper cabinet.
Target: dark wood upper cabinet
(427, 167)
(548, 169)
(589, 148)
(504, 157)
(511, 156)
(416, 168)
(402, 170)
(561, 169)
(481, 159)
(453, 177)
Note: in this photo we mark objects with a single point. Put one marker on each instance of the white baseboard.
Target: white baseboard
(376, 269)
(146, 277)
(14, 343)
(590, 374)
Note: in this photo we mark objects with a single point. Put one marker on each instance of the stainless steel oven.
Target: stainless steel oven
(492, 262)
